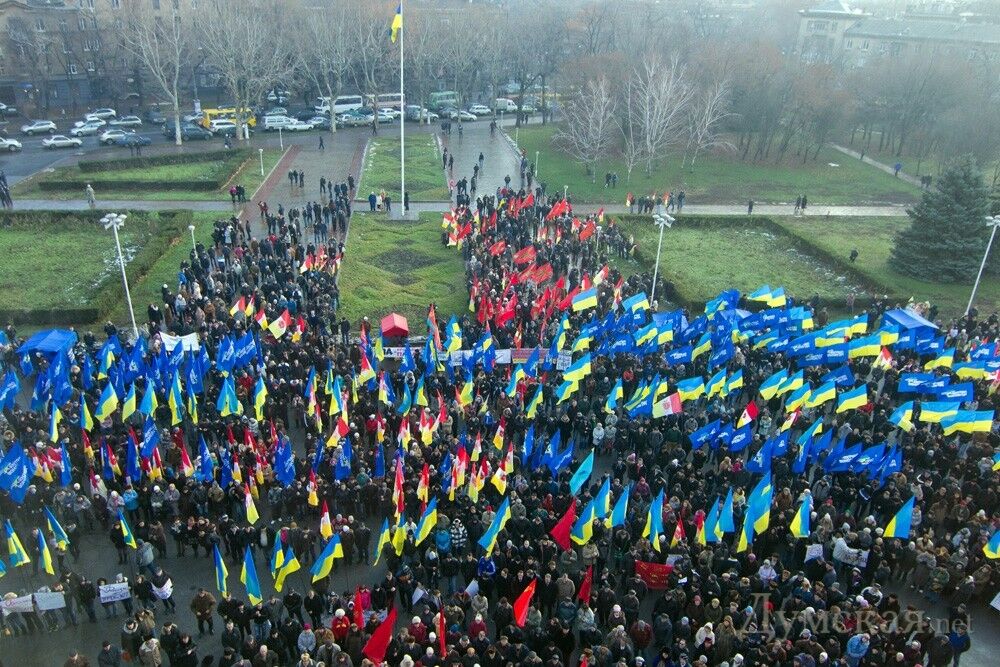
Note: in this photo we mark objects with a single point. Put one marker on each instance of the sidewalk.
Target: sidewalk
(912, 180)
(104, 204)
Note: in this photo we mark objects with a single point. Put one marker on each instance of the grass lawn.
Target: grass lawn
(394, 266)
(425, 179)
(703, 261)
(873, 238)
(720, 178)
(246, 172)
(165, 270)
(61, 264)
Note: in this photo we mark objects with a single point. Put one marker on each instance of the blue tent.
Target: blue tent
(906, 320)
(49, 341)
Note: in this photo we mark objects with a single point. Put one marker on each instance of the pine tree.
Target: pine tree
(948, 233)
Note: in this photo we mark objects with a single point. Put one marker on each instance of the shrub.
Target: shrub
(89, 166)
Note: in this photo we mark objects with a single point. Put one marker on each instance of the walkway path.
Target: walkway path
(912, 180)
(138, 205)
(720, 209)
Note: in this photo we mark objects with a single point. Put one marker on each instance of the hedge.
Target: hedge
(165, 228)
(761, 222)
(89, 166)
(63, 185)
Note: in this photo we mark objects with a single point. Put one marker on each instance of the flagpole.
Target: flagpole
(402, 124)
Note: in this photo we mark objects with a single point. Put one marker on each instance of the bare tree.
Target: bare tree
(705, 115)
(661, 95)
(323, 54)
(588, 118)
(250, 47)
(35, 49)
(631, 148)
(371, 62)
(162, 48)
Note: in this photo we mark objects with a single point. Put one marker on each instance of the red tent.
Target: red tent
(395, 324)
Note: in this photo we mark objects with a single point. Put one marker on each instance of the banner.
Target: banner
(813, 551)
(114, 592)
(19, 605)
(654, 574)
(49, 601)
(190, 342)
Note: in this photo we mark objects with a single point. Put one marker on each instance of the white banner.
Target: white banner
(165, 591)
(114, 592)
(813, 551)
(19, 605)
(51, 600)
(190, 342)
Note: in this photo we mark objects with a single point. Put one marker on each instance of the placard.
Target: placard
(813, 551)
(114, 592)
(995, 603)
(50, 600)
(19, 605)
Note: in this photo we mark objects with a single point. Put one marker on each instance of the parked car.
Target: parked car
(272, 123)
(126, 121)
(96, 122)
(133, 139)
(194, 117)
(385, 116)
(10, 145)
(319, 122)
(276, 111)
(103, 114)
(155, 117)
(353, 119)
(295, 125)
(465, 116)
(480, 110)
(225, 128)
(414, 112)
(279, 96)
(61, 141)
(85, 130)
(109, 137)
(38, 127)
(505, 104)
(188, 132)
(395, 113)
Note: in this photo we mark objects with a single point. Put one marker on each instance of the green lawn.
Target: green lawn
(165, 270)
(703, 261)
(60, 264)
(873, 238)
(245, 171)
(720, 178)
(395, 266)
(425, 179)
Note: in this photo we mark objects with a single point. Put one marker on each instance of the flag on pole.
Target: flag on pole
(397, 23)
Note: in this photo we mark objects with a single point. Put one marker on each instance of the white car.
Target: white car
(10, 145)
(480, 110)
(294, 125)
(97, 122)
(279, 96)
(85, 130)
(38, 127)
(61, 141)
(194, 118)
(126, 121)
(110, 136)
(275, 122)
(395, 113)
(464, 116)
(385, 116)
(222, 126)
(103, 114)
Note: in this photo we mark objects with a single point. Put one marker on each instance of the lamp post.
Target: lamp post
(565, 191)
(993, 222)
(194, 244)
(260, 151)
(114, 221)
(536, 165)
(662, 221)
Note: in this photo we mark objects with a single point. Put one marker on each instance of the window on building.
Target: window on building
(177, 5)
(849, 44)
(90, 65)
(3, 68)
(865, 45)
(156, 4)
(86, 45)
(82, 24)
(39, 25)
(116, 4)
(63, 26)
(72, 68)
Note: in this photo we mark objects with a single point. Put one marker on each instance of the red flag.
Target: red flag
(588, 231)
(378, 643)
(654, 574)
(749, 414)
(560, 532)
(442, 634)
(359, 613)
(522, 604)
(588, 580)
(498, 248)
(507, 314)
(525, 255)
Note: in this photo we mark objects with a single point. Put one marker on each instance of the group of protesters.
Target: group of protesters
(492, 581)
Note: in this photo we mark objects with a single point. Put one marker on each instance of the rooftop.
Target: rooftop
(934, 31)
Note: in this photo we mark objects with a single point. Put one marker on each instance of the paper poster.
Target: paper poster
(813, 551)
(48, 601)
(114, 592)
(19, 605)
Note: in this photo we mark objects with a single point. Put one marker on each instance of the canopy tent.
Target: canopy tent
(395, 325)
(906, 320)
(49, 341)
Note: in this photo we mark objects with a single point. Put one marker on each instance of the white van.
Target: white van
(385, 101)
(275, 122)
(505, 104)
(342, 104)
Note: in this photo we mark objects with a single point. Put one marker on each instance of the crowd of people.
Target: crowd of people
(452, 485)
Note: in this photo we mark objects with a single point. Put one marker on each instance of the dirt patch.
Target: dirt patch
(405, 262)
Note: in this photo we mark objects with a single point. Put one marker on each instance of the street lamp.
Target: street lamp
(662, 221)
(114, 222)
(536, 165)
(565, 191)
(194, 245)
(993, 222)
(260, 152)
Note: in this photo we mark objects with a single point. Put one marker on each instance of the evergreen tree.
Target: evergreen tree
(948, 232)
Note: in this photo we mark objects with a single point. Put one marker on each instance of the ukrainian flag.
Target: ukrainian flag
(888, 335)
(992, 548)
(691, 388)
(968, 421)
(566, 389)
(759, 504)
(717, 383)
(853, 399)
(616, 394)
(427, 521)
(734, 382)
(903, 416)
(704, 345)
(277, 557)
(324, 564)
(943, 360)
(54, 420)
(192, 406)
(128, 406)
(710, 528)
(579, 370)
(44, 555)
(585, 299)
(249, 578)
(176, 401)
(221, 572)
(619, 513)
(870, 346)
(996, 461)
(798, 398)
(636, 303)
(790, 383)
(535, 401)
(489, 539)
(972, 370)
(397, 23)
(290, 564)
(654, 521)
(770, 386)
(62, 539)
(384, 538)
(664, 336)
(583, 342)
(764, 340)
(823, 394)
(18, 556)
(149, 403)
(583, 529)
(800, 522)
(643, 335)
(108, 403)
(86, 421)
(934, 411)
(815, 429)
(126, 531)
(763, 293)
(777, 298)
(899, 525)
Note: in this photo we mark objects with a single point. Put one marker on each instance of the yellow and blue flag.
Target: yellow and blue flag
(126, 531)
(384, 538)
(620, 512)
(289, 564)
(108, 403)
(249, 578)
(853, 399)
(129, 404)
(427, 521)
(585, 299)
(582, 473)
(324, 564)
(489, 539)
(770, 386)
(60, 536)
(44, 555)
(54, 420)
(800, 522)
(992, 548)
(823, 394)
(397, 24)
(935, 411)
(17, 555)
(86, 421)
(221, 573)
(899, 525)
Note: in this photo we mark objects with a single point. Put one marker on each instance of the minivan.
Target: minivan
(505, 104)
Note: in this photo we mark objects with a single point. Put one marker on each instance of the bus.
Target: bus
(341, 104)
(384, 101)
(442, 99)
(229, 113)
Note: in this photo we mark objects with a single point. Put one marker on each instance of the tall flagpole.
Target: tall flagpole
(402, 122)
